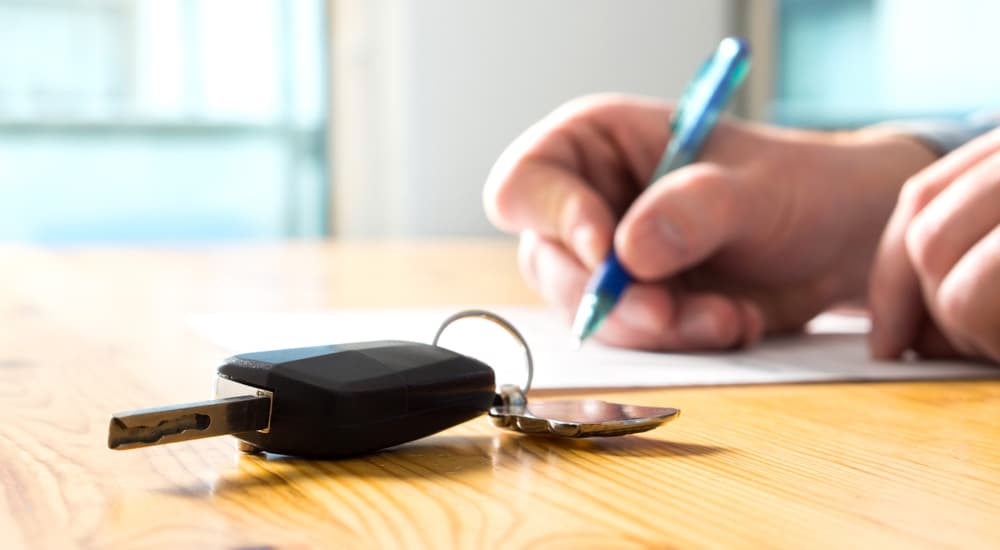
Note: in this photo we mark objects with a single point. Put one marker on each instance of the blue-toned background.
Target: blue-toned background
(852, 62)
(161, 120)
(137, 121)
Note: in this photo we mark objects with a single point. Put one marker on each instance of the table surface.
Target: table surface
(87, 332)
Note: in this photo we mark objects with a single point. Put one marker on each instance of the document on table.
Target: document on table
(832, 349)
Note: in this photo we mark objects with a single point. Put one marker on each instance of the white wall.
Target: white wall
(427, 93)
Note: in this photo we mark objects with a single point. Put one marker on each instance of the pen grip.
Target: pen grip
(610, 279)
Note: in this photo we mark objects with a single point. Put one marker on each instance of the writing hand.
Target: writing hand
(769, 227)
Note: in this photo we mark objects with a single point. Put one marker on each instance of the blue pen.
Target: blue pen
(699, 108)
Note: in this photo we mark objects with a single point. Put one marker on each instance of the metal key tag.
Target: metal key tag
(574, 418)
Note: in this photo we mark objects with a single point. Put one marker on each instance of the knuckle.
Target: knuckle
(497, 195)
(714, 178)
(502, 204)
(704, 177)
(729, 329)
(917, 193)
(586, 105)
(504, 200)
(921, 240)
(961, 312)
(586, 108)
(566, 209)
(712, 190)
(527, 254)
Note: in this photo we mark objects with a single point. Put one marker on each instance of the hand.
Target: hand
(935, 287)
(769, 228)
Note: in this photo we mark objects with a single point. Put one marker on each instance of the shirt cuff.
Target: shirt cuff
(944, 136)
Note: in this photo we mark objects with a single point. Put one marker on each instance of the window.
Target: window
(162, 120)
(854, 62)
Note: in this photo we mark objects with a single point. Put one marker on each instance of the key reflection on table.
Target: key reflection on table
(591, 411)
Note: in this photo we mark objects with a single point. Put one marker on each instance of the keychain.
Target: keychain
(349, 399)
(565, 417)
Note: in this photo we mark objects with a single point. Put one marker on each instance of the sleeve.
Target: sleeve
(944, 136)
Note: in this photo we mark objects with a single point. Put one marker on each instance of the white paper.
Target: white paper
(833, 349)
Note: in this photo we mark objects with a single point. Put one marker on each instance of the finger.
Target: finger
(932, 344)
(968, 300)
(641, 320)
(638, 321)
(637, 128)
(646, 317)
(894, 292)
(527, 252)
(651, 317)
(957, 218)
(954, 164)
(710, 321)
(555, 203)
(552, 271)
(754, 325)
(681, 219)
(571, 174)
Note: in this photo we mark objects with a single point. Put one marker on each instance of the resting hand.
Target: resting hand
(935, 287)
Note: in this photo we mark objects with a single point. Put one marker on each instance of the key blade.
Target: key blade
(147, 427)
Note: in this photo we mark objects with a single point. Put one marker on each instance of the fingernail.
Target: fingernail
(699, 328)
(876, 344)
(584, 240)
(668, 232)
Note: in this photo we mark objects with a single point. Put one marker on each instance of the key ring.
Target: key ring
(490, 316)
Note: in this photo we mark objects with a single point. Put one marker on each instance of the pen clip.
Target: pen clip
(703, 101)
(678, 115)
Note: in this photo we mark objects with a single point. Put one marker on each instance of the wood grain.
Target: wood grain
(84, 333)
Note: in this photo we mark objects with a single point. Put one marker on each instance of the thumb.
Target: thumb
(683, 218)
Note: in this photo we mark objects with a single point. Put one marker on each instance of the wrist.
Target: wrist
(869, 167)
(873, 163)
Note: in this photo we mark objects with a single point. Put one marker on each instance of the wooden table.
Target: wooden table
(88, 332)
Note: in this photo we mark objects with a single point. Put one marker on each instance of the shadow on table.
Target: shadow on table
(439, 457)
(635, 446)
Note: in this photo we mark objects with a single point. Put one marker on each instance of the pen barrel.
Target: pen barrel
(702, 104)
(610, 279)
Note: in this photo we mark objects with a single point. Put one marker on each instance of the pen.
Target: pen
(699, 108)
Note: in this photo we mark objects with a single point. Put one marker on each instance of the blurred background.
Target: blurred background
(180, 121)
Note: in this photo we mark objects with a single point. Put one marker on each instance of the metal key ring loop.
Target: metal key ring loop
(490, 316)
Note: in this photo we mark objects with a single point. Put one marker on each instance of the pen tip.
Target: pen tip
(594, 308)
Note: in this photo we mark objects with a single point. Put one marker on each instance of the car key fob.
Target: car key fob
(349, 399)
(355, 398)
(325, 401)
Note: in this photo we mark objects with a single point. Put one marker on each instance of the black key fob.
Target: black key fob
(349, 399)
(341, 400)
